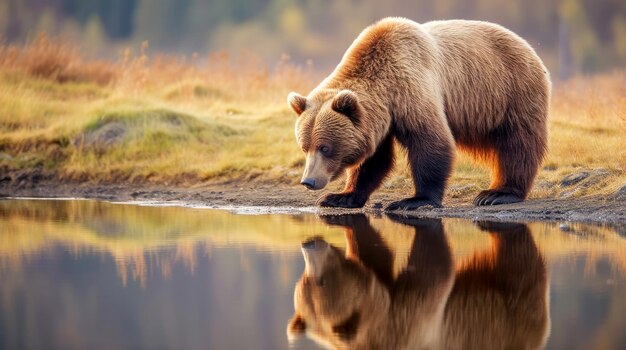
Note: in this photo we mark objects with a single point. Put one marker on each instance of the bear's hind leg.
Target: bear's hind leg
(363, 180)
(516, 160)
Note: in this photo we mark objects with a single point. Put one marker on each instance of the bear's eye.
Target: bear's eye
(325, 150)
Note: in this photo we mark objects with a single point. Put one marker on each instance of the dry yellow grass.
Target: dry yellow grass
(190, 120)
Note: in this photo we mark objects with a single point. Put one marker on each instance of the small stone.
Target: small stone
(565, 228)
(378, 205)
(570, 193)
(621, 193)
(601, 171)
(575, 178)
(104, 136)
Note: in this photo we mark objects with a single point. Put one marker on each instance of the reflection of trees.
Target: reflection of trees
(59, 301)
(149, 241)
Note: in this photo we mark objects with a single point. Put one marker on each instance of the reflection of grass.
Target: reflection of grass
(120, 228)
(139, 237)
(175, 120)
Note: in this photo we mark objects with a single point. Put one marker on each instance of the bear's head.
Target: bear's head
(327, 130)
(338, 302)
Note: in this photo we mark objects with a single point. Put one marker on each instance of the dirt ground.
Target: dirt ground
(592, 209)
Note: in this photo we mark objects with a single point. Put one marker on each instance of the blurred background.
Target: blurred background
(572, 36)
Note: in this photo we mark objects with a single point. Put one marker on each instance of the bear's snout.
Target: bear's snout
(315, 252)
(314, 243)
(315, 176)
(309, 183)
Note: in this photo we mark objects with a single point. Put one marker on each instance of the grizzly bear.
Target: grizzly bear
(495, 300)
(427, 86)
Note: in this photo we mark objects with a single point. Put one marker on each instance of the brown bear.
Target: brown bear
(496, 299)
(427, 86)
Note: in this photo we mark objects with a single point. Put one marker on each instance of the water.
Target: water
(83, 274)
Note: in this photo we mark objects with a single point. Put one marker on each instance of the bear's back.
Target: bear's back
(489, 76)
(483, 74)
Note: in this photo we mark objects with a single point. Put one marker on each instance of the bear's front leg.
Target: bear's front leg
(430, 155)
(364, 179)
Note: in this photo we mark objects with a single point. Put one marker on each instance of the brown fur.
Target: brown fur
(429, 86)
(386, 311)
(498, 299)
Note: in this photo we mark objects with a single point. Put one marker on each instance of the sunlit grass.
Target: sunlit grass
(195, 120)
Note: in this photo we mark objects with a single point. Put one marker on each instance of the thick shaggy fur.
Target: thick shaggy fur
(428, 86)
(500, 296)
(362, 305)
(495, 300)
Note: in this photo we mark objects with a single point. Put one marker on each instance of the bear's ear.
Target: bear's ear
(297, 102)
(346, 103)
(296, 327)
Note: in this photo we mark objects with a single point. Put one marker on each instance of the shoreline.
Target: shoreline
(252, 198)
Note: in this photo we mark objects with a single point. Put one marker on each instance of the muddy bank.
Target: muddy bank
(594, 209)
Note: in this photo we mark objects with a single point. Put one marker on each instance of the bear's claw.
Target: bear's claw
(496, 197)
(412, 204)
(342, 200)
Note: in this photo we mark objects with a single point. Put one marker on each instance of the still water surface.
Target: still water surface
(90, 275)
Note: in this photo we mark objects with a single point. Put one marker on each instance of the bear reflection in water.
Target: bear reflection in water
(495, 299)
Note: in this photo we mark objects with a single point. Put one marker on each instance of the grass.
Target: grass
(188, 121)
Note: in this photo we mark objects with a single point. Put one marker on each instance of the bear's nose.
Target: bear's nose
(313, 242)
(308, 183)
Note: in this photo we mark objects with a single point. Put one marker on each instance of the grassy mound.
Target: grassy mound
(146, 143)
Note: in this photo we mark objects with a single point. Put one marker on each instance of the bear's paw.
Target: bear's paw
(343, 200)
(496, 197)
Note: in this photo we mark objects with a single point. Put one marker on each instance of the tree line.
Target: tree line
(573, 36)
